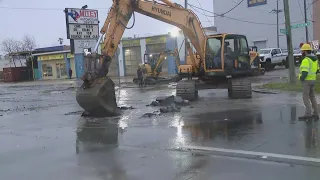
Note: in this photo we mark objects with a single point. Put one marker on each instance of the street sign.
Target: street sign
(283, 31)
(300, 25)
(83, 31)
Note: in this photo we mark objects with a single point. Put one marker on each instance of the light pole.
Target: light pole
(277, 11)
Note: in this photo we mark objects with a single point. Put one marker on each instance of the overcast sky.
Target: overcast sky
(48, 25)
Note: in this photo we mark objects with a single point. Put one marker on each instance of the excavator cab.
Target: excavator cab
(152, 59)
(228, 54)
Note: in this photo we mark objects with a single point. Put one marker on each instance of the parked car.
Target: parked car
(297, 56)
(271, 57)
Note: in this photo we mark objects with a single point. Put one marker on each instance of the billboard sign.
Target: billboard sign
(253, 3)
(131, 43)
(83, 31)
(82, 16)
(156, 40)
(81, 44)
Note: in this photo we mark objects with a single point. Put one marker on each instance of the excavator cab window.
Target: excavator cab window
(239, 57)
(151, 59)
(235, 52)
(213, 53)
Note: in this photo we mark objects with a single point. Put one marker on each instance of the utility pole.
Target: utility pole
(305, 19)
(185, 37)
(278, 44)
(292, 73)
(277, 11)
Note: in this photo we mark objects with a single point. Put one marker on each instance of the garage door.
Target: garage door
(158, 48)
(260, 44)
(132, 58)
(114, 66)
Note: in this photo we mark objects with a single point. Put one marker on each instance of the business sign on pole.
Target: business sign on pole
(81, 44)
(82, 28)
(82, 16)
(82, 23)
(83, 31)
(253, 3)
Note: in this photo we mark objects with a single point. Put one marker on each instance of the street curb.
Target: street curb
(264, 91)
(281, 158)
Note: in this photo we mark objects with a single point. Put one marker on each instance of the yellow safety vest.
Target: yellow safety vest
(309, 66)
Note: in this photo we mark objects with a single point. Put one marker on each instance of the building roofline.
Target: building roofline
(54, 52)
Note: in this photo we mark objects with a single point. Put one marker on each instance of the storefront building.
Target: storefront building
(133, 50)
(55, 65)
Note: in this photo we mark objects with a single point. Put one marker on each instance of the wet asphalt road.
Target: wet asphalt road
(43, 136)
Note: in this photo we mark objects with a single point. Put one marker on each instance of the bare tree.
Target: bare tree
(17, 47)
(28, 43)
(8, 47)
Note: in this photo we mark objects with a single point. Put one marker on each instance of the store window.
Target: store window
(47, 70)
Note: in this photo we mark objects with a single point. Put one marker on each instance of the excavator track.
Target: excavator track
(187, 89)
(239, 89)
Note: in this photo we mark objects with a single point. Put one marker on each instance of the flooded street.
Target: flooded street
(44, 136)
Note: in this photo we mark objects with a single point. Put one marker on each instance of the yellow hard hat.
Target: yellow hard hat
(306, 47)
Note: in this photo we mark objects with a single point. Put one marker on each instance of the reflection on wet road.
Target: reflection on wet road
(53, 141)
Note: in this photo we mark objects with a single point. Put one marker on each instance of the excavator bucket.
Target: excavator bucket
(99, 99)
(97, 94)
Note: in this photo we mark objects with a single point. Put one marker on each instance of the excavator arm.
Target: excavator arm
(97, 94)
(121, 12)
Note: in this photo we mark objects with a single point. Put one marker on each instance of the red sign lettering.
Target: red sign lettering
(88, 13)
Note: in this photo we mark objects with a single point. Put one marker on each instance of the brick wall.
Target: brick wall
(316, 19)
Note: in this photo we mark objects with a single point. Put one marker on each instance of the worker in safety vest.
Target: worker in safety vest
(308, 74)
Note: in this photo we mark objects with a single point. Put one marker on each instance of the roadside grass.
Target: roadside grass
(286, 86)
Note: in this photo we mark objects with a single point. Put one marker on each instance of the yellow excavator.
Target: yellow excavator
(220, 60)
(153, 67)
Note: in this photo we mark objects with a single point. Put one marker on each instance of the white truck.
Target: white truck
(271, 57)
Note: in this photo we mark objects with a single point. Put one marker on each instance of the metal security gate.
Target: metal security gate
(158, 48)
(260, 44)
(132, 59)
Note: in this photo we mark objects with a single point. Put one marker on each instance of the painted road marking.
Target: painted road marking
(256, 155)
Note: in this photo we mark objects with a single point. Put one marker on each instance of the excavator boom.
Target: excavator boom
(174, 14)
(96, 84)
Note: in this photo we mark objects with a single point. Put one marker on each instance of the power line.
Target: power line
(305, 16)
(312, 4)
(42, 9)
(204, 13)
(218, 15)
(232, 8)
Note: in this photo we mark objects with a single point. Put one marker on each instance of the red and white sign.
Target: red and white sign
(82, 16)
(315, 44)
